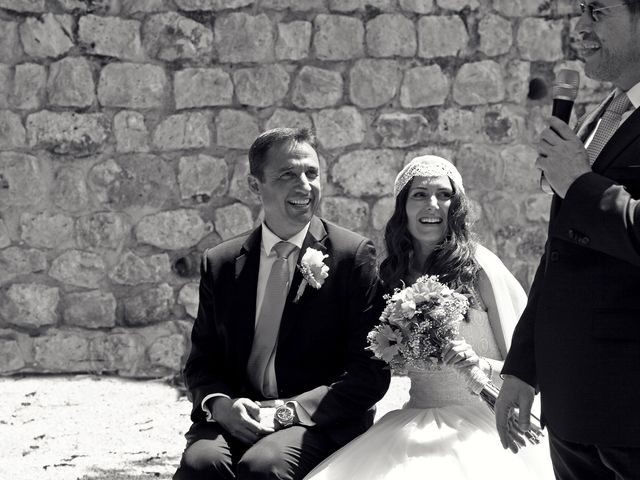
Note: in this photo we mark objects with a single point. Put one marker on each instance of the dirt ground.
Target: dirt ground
(101, 428)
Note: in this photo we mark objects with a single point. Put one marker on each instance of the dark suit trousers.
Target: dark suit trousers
(287, 454)
(576, 461)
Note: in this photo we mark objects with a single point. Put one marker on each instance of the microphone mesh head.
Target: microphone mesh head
(565, 87)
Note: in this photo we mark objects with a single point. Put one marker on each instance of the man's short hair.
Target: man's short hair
(273, 138)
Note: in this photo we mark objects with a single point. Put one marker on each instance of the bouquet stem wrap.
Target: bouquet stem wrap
(480, 384)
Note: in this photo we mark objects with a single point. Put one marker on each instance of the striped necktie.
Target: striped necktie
(608, 125)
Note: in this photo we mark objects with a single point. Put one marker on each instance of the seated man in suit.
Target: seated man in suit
(278, 338)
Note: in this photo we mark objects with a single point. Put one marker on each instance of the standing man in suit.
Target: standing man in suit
(278, 372)
(578, 340)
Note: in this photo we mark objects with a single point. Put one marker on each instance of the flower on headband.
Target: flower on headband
(313, 269)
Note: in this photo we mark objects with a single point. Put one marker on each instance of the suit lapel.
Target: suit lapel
(316, 237)
(621, 139)
(247, 265)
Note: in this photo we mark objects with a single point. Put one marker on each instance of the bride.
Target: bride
(443, 431)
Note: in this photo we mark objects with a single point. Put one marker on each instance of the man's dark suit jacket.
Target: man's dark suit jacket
(321, 361)
(578, 340)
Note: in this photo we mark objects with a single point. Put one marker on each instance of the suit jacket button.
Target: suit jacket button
(584, 241)
(555, 256)
(572, 234)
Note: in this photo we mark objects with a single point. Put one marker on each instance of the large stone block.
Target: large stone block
(374, 82)
(288, 118)
(189, 298)
(30, 305)
(413, 93)
(295, 5)
(496, 35)
(140, 180)
(381, 167)
(70, 83)
(131, 85)
(239, 188)
(201, 177)
(540, 39)
(29, 86)
(69, 189)
(516, 81)
(111, 37)
(24, 180)
(484, 164)
(244, 38)
(537, 207)
(94, 309)
(202, 87)
(352, 5)
(294, 40)
(62, 351)
(504, 124)
(350, 213)
(6, 79)
(31, 6)
(67, 133)
(236, 129)
(183, 131)
(12, 133)
(212, 5)
(233, 220)
(102, 231)
(173, 230)
(103, 7)
(130, 132)
(151, 305)
(47, 36)
(261, 86)
(168, 352)
(441, 36)
(134, 270)
(316, 88)
(399, 129)
(479, 83)
(520, 8)
(171, 36)
(15, 261)
(521, 175)
(130, 7)
(10, 48)
(417, 6)
(118, 351)
(382, 212)
(338, 37)
(46, 230)
(339, 127)
(75, 267)
(5, 238)
(390, 35)
(11, 357)
(458, 5)
(459, 124)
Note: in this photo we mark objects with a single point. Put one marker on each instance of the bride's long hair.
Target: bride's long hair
(453, 260)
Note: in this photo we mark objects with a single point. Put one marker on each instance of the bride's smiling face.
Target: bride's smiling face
(427, 210)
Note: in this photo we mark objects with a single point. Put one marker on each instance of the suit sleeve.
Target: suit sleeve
(204, 371)
(601, 215)
(520, 361)
(365, 379)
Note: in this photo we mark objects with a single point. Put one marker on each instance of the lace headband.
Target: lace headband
(427, 166)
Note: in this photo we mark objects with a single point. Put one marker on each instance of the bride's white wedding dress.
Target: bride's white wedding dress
(444, 432)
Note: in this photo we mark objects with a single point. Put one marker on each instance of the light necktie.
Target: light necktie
(268, 325)
(608, 125)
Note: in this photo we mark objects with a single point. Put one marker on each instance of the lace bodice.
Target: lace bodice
(442, 385)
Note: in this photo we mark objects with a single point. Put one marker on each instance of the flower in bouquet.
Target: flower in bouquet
(314, 271)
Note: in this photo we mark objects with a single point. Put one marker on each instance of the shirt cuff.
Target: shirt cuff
(204, 408)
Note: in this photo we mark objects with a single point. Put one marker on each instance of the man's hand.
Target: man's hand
(561, 156)
(514, 394)
(240, 417)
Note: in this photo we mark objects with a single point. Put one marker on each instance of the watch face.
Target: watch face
(285, 414)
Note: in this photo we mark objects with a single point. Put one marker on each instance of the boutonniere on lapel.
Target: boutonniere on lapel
(313, 269)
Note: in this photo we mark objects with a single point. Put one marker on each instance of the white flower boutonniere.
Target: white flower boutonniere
(313, 269)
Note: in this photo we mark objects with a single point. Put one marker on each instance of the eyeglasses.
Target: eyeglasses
(594, 12)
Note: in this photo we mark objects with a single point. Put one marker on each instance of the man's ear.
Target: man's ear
(254, 184)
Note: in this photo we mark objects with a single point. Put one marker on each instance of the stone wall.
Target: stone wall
(124, 126)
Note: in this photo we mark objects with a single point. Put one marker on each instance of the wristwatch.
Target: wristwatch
(285, 415)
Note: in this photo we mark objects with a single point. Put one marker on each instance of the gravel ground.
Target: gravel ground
(101, 428)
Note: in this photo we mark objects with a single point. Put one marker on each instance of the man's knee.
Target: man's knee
(204, 460)
(265, 460)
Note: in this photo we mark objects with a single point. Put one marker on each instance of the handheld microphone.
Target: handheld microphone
(565, 91)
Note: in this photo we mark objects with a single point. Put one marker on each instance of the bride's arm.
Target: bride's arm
(492, 365)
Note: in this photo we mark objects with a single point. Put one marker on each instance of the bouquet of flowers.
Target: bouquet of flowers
(416, 324)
